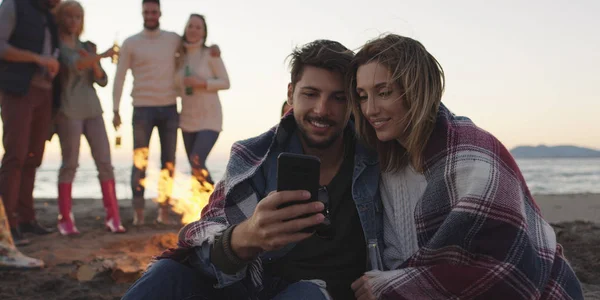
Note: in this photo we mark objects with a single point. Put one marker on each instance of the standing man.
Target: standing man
(150, 55)
(28, 90)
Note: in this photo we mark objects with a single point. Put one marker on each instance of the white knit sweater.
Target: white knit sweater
(400, 193)
(151, 57)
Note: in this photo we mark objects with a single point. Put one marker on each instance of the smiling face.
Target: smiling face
(72, 20)
(195, 29)
(320, 106)
(151, 13)
(381, 102)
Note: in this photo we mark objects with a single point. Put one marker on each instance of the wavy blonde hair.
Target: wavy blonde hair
(181, 52)
(60, 10)
(421, 80)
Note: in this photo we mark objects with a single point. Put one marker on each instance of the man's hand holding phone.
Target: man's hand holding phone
(272, 228)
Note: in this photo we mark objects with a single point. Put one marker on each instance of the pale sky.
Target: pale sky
(526, 71)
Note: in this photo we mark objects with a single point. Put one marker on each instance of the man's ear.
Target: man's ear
(290, 94)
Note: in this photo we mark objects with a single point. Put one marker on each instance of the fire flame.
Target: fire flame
(190, 205)
(186, 194)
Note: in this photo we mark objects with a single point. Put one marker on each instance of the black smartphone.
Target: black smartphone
(298, 172)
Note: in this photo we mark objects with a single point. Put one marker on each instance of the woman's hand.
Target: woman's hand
(109, 53)
(195, 82)
(362, 289)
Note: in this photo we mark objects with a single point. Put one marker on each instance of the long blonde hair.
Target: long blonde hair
(421, 80)
(60, 14)
(181, 52)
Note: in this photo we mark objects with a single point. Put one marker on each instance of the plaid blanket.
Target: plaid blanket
(480, 232)
(225, 208)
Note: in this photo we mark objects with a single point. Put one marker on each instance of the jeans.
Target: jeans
(166, 119)
(170, 280)
(69, 132)
(197, 146)
(26, 121)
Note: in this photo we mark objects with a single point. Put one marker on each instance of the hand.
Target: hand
(215, 51)
(50, 63)
(83, 53)
(362, 289)
(109, 53)
(116, 120)
(271, 228)
(193, 81)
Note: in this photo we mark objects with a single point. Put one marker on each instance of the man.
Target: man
(150, 55)
(244, 247)
(28, 90)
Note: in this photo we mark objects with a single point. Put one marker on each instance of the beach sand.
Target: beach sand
(101, 265)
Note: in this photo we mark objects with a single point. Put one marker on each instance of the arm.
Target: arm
(492, 244)
(99, 75)
(220, 81)
(91, 60)
(122, 67)
(13, 54)
(7, 26)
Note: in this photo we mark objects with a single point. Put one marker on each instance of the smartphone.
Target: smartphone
(299, 172)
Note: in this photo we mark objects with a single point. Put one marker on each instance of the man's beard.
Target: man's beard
(152, 27)
(315, 144)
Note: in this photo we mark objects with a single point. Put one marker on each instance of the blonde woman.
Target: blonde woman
(199, 77)
(81, 114)
(10, 256)
(459, 220)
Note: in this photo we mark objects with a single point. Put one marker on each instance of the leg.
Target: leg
(17, 113)
(95, 133)
(204, 142)
(69, 134)
(143, 124)
(41, 121)
(167, 279)
(167, 131)
(189, 139)
(304, 290)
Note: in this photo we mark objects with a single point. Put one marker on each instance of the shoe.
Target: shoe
(66, 220)
(35, 228)
(18, 237)
(109, 198)
(164, 216)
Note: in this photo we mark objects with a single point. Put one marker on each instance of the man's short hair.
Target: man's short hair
(325, 54)
(151, 1)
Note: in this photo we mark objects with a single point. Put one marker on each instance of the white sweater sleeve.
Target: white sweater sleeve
(122, 67)
(220, 81)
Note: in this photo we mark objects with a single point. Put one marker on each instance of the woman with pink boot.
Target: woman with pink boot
(81, 113)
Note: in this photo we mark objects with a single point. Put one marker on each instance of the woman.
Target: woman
(81, 113)
(10, 256)
(459, 220)
(200, 77)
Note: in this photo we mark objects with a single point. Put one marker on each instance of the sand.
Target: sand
(101, 265)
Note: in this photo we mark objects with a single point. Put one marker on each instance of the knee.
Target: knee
(105, 171)
(13, 162)
(306, 289)
(165, 279)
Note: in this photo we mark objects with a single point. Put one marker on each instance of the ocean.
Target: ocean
(543, 176)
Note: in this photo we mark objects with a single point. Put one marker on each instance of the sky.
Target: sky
(526, 71)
